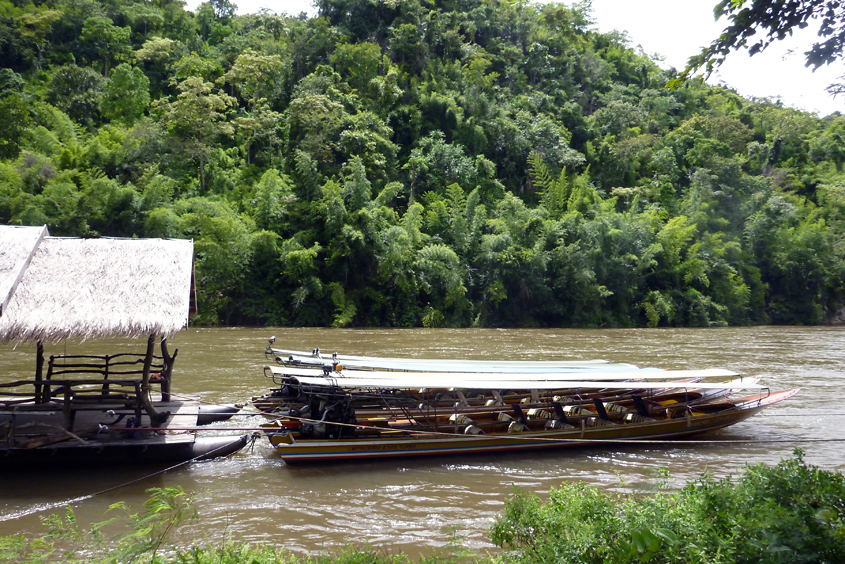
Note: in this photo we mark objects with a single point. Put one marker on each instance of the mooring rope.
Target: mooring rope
(75, 500)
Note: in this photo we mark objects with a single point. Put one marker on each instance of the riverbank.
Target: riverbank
(790, 512)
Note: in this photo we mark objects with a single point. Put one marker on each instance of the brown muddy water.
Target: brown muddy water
(412, 505)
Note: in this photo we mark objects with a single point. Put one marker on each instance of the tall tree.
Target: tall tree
(777, 19)
(126, 95)
(37, 27)
(109, 41)
(258, 78)
(197, 117)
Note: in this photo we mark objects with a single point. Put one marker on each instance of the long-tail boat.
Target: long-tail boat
(486, 388)
(334, 420)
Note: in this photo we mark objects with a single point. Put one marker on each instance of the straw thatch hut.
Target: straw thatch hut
(54, 288)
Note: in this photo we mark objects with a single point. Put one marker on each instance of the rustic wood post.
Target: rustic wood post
(39, 368)
(145, 383)
(167, 370)
(47, 389)
(105, 391)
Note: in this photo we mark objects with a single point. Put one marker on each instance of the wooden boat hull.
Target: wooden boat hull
(397, 444)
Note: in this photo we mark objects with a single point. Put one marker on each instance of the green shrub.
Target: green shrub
(792, 512)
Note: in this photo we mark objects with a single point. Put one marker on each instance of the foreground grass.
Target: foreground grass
(789, 513)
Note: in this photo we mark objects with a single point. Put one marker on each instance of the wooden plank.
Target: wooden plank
(183, 413)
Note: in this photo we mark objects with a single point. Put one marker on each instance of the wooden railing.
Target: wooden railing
(106, 366)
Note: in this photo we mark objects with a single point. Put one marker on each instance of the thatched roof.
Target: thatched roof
(17, 245)
(88, 288)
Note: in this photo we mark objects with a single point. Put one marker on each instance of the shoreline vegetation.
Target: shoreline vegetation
(460, 163)
(791, 512)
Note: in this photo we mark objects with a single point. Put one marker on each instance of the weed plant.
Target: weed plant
(789, 513)
(792, 512)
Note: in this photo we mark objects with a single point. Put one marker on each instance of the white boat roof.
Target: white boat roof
(450, 365)
(434, 365)
(415, 380)
(437, 381)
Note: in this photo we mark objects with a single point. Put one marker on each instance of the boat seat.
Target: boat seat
(640, 406)
(504, 416)
(676, 412)
(462, 400)
(636, 418)
(558, 424)
(598, 422)
(460, 419)
(473, 430)
(517, 427)
(561, 416)
(538, 413)
(611, 407)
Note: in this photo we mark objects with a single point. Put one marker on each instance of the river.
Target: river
(417, 505)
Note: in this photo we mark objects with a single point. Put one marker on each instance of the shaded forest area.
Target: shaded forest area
(419, 163)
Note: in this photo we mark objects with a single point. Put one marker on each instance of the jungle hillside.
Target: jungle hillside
(419, 163)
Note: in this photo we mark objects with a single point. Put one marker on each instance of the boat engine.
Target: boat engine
(334, 420)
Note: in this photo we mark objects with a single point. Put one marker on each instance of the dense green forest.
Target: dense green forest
(419, 163)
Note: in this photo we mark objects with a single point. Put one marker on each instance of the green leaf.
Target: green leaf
(667, 535)
(652, 542)
(639, 541)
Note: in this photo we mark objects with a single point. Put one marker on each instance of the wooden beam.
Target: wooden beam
(24, 266)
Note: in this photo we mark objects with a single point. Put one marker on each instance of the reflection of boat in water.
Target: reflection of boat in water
(98, 408)
(356, 414)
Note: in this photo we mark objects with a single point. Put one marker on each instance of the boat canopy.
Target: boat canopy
(644, 374)
(442, 364)
(657, 379)
(463, 365)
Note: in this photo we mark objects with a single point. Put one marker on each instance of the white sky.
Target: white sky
(677, 29)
